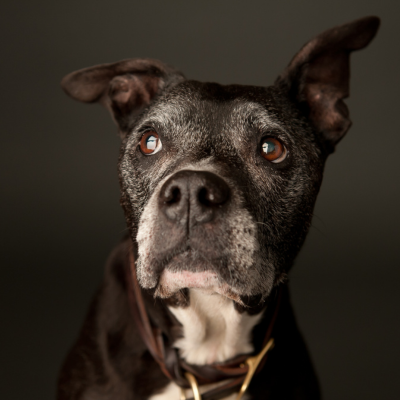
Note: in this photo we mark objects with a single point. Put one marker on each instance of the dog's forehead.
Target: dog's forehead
(212, 111)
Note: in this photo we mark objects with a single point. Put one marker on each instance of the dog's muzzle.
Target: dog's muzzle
(195, 233)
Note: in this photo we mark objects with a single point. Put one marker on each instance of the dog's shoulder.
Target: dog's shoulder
(109, 358)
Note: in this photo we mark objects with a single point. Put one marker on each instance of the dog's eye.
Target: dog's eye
(273, 150)
(150, 143)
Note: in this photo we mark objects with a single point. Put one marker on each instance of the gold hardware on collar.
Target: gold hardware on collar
(195, 387)
(252, 363)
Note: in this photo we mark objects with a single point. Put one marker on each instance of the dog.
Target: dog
(218, 185)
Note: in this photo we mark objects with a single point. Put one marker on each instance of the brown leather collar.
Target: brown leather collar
(234, 370)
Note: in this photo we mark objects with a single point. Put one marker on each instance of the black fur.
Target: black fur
(249, 241)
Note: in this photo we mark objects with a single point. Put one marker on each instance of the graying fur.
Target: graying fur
(201, 134)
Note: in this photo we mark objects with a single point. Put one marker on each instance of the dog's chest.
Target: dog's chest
(213, 331)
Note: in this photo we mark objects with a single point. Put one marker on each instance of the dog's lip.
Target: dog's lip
(188, 279)
(171, 282)
(186, 259)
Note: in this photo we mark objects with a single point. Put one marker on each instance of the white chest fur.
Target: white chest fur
(213, 331)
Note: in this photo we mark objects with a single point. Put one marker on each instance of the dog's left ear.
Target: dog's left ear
(317, 78)
(125, 88)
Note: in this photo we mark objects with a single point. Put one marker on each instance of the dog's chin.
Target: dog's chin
(172, 282)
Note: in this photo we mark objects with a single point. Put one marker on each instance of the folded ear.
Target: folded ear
(317, 78)
(125, 87)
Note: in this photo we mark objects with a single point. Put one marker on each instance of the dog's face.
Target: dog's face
(210, 204)
(219, 182)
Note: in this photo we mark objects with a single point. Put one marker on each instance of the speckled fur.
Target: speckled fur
(271, 209)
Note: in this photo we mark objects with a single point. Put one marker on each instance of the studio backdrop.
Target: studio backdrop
(60, 196)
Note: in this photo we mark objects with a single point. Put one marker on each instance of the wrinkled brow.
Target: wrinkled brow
(254, 115)
(163, 115)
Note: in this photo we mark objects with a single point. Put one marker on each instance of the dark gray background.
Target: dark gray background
(60, 210)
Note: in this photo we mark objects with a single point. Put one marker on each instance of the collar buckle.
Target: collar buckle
(252, 363)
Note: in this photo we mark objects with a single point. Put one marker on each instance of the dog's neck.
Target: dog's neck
(213, 330)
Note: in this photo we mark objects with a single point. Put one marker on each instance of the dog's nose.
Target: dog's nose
(191, 197)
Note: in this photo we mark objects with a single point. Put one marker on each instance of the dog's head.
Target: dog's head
(219, 182)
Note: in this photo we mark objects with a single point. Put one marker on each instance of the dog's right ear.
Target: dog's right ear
(125, 88)
(317, 78)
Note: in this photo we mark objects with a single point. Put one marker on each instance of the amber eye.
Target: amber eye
(150, 143)
(273, 150)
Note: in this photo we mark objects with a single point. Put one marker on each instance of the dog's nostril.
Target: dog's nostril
(203, 196)
(213, 196)
(173, 196)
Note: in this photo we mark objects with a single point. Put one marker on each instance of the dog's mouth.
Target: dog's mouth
(171, 282)
(188, 270)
